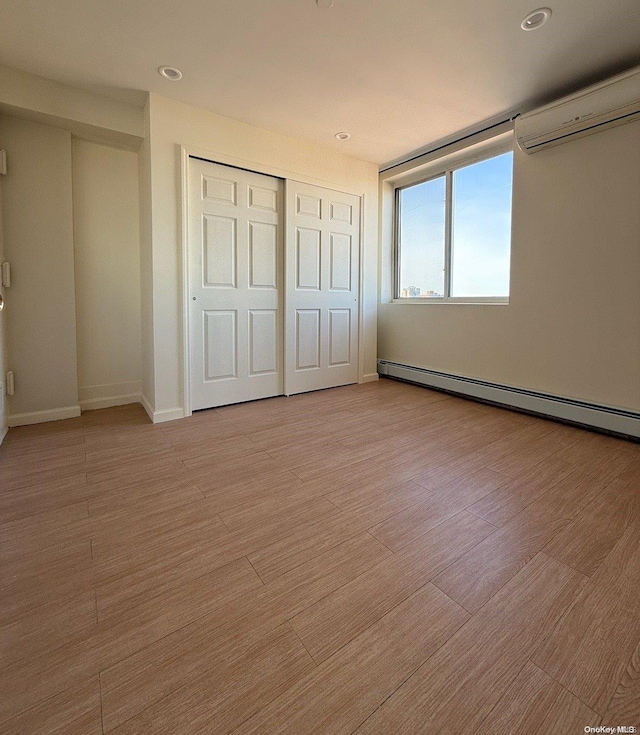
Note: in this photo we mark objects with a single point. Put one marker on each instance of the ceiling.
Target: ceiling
(397, 74)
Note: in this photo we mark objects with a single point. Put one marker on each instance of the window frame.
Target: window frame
(444, 167)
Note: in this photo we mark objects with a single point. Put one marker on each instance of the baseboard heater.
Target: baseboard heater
(591, 415)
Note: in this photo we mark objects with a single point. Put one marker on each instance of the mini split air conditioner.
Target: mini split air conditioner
(613, 102)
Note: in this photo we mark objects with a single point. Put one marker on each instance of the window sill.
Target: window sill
(473, 300)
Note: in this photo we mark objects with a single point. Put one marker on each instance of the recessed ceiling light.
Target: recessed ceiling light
(535, 19)
(170, 73)
(343, 136)
(324, 3)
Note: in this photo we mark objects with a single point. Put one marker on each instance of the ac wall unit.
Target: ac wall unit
(613, 102)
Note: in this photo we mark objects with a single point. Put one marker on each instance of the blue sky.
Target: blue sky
(481, 231)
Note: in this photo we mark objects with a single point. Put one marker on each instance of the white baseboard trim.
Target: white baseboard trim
(107, 390)
(169, 414)
(159, 417)
(370, 377)
(147, 406)
(3, 433)
(596, 416)
(41, 417)
(92, 404)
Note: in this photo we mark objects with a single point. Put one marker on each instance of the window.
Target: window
(453, 233)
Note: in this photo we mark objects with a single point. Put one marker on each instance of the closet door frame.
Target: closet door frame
(187, 152)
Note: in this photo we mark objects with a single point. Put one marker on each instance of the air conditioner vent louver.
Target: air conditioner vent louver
(613, 102)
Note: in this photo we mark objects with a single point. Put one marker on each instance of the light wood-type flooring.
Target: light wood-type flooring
(370, 559)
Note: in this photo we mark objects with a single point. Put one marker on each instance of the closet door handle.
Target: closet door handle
(1, 302)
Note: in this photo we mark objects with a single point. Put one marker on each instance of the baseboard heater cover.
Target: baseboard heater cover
(603, 418)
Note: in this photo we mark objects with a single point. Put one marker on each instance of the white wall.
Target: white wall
(572, 326)
(40, 305)
(172, 124)
(84, 113)
(37, 118)
(107, 273)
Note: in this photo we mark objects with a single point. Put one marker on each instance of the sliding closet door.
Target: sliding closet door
(235, 284)
(322, 288)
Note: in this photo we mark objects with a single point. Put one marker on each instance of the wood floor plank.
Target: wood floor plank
(112, 436)
(389, 471)
(71, 712)
(127, 688)
(461, 683)
(135, 468)
(349, 686)
(201, 595)
(452, 436)
(42, 495)
(147, 481)
(387, 497)
(12, 479)
(195, 445)
(511, 498)
(30, 567)
(462, 476)
(136, 473)
(222, 698)
(45, 529)
(341, 457)
(474, 578)
(461, 482)
(530, 455)
(130, 414)
(416, 520)
(212, 476)
(610, 456)
(114, 598)
(272, 560)
(589, 479)
(118, 460)
(334, 620)
(26, 683)
(188, 564)
(120, 537)
(258, 489)
(503, 424)
(631, 473)
(398, 424)
(585, 542)
(25, 440)
(516, 440)
(109, 503)
(306, 427)
(624, 706)
(295, 508)
(535, 704)
(404, 464)
(15, 467)
(45, 580)
(299, 451)
(47, 626)
(591, 646)
(130, 579)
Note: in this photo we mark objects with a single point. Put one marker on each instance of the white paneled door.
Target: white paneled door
(322, 288)
(273, 303)
(236, 285)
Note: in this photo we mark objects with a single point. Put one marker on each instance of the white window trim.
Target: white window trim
(391, 183)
